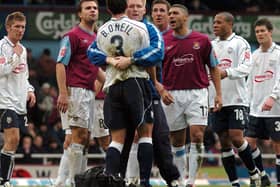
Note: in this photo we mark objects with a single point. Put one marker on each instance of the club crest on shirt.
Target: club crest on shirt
(271, 62)
(196, 45)
(9, 120)
(230, 50)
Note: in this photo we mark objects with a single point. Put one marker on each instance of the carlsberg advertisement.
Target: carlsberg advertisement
(51, 25)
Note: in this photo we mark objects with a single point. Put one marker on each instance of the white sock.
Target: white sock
(63, 170)
(180, 161)
(195, 160)
(75, 160)
(132, 172)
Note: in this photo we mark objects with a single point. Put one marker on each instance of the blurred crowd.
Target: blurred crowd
(269, 6)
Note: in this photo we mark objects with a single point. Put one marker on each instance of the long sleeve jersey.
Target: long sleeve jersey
(264, 81)
(234, 55)
(14, 84)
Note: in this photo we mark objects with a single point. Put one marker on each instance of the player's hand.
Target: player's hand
(123, 62)
(18, 49)
(217, 103)
(223, 74)
(62, 103)
(31, 98)
(268, 104)
(167, 98)
(111, 60)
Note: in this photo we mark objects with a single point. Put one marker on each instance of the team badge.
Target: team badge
(9, 120)
(271, 62)
(196, 45)
(230, 50)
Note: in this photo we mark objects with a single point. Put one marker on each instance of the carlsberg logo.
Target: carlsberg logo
(54, 25)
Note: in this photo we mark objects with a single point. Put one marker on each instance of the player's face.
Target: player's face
(263, 35)
(160, 15)
(135, 9)
(16, 31)
(221, 27)
(177, 18)
(89, 12)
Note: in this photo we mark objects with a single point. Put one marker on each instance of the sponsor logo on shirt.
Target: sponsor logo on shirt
(180, 61)
(2, 60)
(247, 55)
(169, 47)
(266, 76)
(225, 63)
(19, 68)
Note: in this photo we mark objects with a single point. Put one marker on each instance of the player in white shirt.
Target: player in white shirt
(234, 55)
(127, 104)
(264, 92)
(15, 91)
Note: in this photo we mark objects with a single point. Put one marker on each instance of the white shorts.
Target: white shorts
(190, 107)
(99, 128)
(80, 111)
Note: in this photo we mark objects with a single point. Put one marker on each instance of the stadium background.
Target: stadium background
(48, 20)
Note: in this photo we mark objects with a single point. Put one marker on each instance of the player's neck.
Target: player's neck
(181, 32)
(87, 27)
(118, 16)
(265, 46)
(14, 41)
(225, 37)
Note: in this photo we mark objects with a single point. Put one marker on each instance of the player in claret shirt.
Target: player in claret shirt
(185, 88)
(75, 77)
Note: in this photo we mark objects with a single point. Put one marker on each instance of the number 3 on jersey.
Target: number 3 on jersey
(117, 41)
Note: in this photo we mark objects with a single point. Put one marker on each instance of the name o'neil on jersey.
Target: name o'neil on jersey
(126, 28)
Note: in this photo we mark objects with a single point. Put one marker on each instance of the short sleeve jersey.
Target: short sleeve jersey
(73, 54)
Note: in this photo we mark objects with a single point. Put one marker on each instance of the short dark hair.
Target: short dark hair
(116, 6)
(161, 2)
(264, 22)
(228, 17)
(14, 16)
(184, 8)
(79, 6)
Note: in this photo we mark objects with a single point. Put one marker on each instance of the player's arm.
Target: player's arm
(97, 57)
(274, 96)
(216, 78)
(244, 64)
(63, 60)
(31, 98)
(7, 64)
(154, 53)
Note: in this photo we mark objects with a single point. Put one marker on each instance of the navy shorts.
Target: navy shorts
(263, 128)
(10, 119)
(128, 104)
(230, 117)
